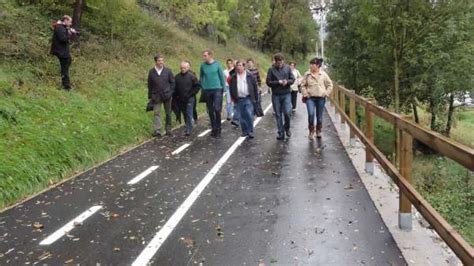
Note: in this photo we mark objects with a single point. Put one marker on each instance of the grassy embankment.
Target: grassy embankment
(47, 134)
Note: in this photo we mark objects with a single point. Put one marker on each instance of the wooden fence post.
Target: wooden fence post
(352, 115)
(342, 104)
(406, 159)
(336, 103)
(369, 158)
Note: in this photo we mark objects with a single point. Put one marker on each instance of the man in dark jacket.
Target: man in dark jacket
(244, 92)
(187, 86)
(279, 79)
(60, 47)
(160, 90)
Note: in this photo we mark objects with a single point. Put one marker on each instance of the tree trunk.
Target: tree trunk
(415, 113)
(450, 115)
(433, 115)
(76, 20)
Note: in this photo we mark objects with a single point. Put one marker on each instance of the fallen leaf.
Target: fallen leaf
(37, 225)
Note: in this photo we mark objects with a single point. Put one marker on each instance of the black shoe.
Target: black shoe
(251, 136)
(187, 134)
(234, 123)
(288, 132)
(281, 137)
(228, 118)
(156, 134)
(218, 133)
(213, 133)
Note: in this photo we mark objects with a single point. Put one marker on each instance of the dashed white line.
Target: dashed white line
(150, 250)
(69, 226)
(142, 175)
(204, 133)
(180, 149)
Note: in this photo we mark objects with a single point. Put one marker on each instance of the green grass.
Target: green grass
(47, 134)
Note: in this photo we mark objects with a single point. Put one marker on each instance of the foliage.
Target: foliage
(411, 52)
(274, 26)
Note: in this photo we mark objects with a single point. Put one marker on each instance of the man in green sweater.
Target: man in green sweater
(213, 84)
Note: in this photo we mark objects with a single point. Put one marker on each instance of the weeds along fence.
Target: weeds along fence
(401, 175)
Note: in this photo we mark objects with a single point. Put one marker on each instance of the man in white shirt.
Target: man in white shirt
(244, 91)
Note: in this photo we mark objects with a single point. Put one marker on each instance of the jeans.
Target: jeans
(214, 107)
(282, 108)
(317, 103)
(229, 107)
(65, 63)
(187, 108)
(157, 117)
(245, 107)
(294, 98)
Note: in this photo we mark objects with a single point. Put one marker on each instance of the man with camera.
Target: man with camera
(60, 47)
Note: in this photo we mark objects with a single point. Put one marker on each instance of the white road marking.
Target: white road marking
(204, 133)
(222, 121)
(150, 250)
(180, 149)
(142, 175)
(69, 226)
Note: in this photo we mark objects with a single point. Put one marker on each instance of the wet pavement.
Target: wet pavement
(293, 202)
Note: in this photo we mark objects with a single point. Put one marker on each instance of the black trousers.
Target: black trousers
(65, 63)
(294, 97)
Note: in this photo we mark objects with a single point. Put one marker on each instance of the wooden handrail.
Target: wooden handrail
(454, 151)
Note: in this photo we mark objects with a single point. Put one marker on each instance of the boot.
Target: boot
(318, 130)
(311, 133)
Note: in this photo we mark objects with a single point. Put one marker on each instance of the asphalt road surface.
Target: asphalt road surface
(206, 201)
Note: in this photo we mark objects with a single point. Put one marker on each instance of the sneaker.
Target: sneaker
(311, 135)
(281, 137)
(288, 132)
(187, 134)
(228, 118)
(234, 123)
(251, 136)
(293, 110)
(156, 134)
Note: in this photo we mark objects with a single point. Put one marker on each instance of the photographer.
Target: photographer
(60, 47)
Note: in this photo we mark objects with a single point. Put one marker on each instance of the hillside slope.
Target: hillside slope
(47, 134)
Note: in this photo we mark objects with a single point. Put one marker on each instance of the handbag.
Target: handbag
(257, 106)
(150, 106)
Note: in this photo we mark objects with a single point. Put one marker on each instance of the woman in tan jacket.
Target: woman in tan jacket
(315, 87)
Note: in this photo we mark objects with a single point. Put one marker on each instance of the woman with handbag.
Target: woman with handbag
(315, 87)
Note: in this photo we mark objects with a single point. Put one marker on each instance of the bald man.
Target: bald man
(187, 86)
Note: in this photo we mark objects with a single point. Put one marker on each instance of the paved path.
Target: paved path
(231, 201)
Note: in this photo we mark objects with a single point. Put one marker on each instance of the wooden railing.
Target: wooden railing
(402, 176)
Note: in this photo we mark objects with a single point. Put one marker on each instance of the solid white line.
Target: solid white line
(150, 250)
(204, 133)
(69, 226)
(142, 175)
(180, 149)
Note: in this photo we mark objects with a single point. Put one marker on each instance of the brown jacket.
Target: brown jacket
(316, 86)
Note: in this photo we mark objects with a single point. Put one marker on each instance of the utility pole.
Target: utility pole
(319, 9)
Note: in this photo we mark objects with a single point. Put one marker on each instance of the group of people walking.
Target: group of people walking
(240, 85)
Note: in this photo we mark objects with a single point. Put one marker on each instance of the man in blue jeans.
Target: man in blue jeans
(244, 92)
(279, 79)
